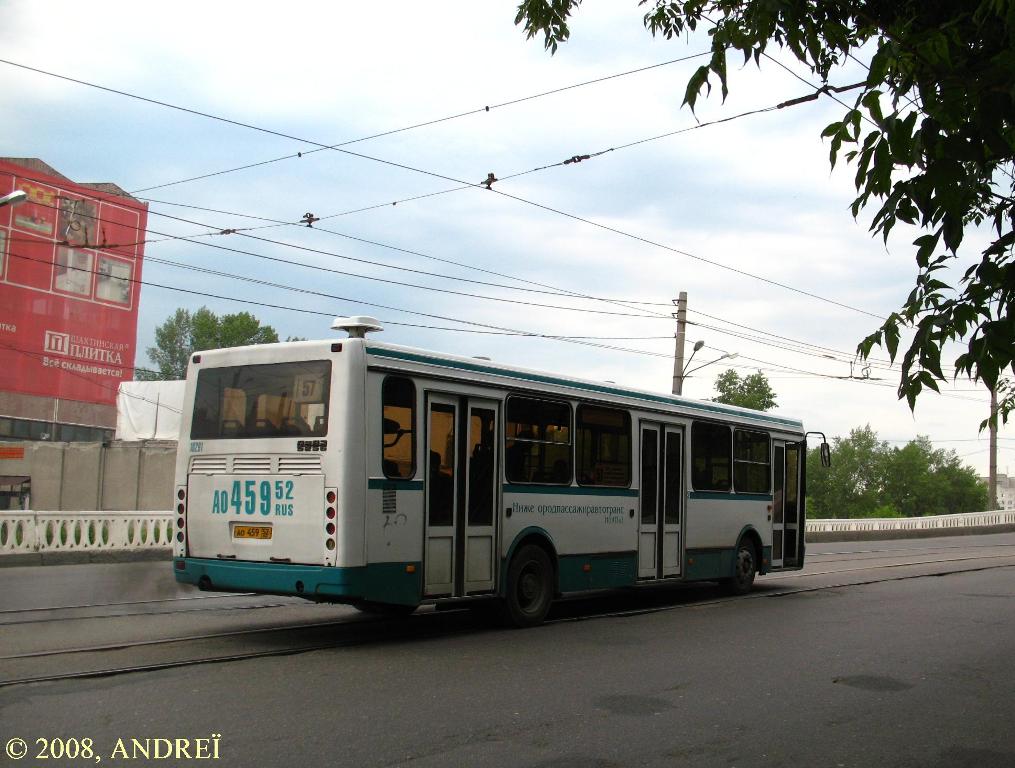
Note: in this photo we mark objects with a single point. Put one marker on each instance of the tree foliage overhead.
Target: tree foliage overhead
(184, 333)
(868, 478)
(931, 135)
(751, 391)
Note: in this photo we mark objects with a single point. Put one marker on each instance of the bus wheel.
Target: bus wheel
(529, 587)
(744, 570)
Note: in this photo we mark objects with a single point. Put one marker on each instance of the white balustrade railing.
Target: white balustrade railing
(930, 523)
(28, 532)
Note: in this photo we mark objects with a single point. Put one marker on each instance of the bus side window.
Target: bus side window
(398, 405)
(711, 456)
(752, 464)
(538, 441)
(603, 446)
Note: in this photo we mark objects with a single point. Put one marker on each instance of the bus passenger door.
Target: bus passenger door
(480, 540)
(778, 502)
(461, 487)
(672, 501)
(787, 506)
(793, 523)
(441, 498)
(661, 501)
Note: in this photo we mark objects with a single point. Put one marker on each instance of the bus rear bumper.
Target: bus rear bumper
(380, 582)
(270, 578)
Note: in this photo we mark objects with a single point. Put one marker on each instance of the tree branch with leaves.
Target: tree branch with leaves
(184, 333)
(931, 136)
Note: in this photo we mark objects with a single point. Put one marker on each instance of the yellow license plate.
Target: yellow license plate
(252, 532)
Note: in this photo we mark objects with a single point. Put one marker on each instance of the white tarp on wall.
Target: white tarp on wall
(149, 410)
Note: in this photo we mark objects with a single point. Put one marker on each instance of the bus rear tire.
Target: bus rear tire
(745, 568)
(529, 587)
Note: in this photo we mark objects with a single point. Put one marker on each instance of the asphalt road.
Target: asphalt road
(878, 654)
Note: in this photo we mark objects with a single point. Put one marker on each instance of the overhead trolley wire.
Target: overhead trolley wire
(318, 146)
(680, 252)
(214, 231)
(479, 110)
(557, 292)
(415, 286)
(228, 121)
(484, 326)
(403, 166)
(327, 269)
(431, 288)
(303, 310)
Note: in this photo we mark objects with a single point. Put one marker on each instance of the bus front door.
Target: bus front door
(461, 533)
(661, 501)
(787, 506)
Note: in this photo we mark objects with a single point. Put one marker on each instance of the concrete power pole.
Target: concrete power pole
(992, 472)
(678, 355)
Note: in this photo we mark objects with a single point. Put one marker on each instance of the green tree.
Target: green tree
(184, 333)
(752, 391)
(854, 485)
(923, 481)
(931, 134)
(870, 479)
(173, 344)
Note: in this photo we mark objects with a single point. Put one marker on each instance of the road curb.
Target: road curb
(81, 557)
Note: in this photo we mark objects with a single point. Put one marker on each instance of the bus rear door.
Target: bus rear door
(461, 473)
(661, 495)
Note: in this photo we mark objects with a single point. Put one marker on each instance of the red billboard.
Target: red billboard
(70, 271)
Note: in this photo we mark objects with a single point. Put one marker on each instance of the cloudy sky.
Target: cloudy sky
(402, 236)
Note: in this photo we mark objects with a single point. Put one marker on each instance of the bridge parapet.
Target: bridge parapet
(26, 532)
(30, 533)
(858, 529)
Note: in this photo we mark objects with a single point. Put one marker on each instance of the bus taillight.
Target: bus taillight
(330, 497)
(181, 519)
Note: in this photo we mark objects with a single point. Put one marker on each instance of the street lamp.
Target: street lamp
(697, 345)
(15, 197)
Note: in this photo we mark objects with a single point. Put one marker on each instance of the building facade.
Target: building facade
(71, 258)
(1005, 492)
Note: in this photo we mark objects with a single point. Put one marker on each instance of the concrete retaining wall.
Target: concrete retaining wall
(85, 477)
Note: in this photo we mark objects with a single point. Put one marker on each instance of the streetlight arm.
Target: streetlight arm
(710, 362)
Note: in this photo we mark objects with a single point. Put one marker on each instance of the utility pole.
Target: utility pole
(678, 354)
(992, 473)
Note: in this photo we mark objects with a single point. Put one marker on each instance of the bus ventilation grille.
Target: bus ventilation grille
(259, 465)
(209, 465)
(297, 464)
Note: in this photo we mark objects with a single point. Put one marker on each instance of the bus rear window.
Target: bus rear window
(272, 400)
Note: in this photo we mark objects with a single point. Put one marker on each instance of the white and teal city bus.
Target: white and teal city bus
(388, 477)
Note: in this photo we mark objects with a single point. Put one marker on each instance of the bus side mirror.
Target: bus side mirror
(824, 450)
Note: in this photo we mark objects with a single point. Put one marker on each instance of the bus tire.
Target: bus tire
(745, 568)
(529, 587)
